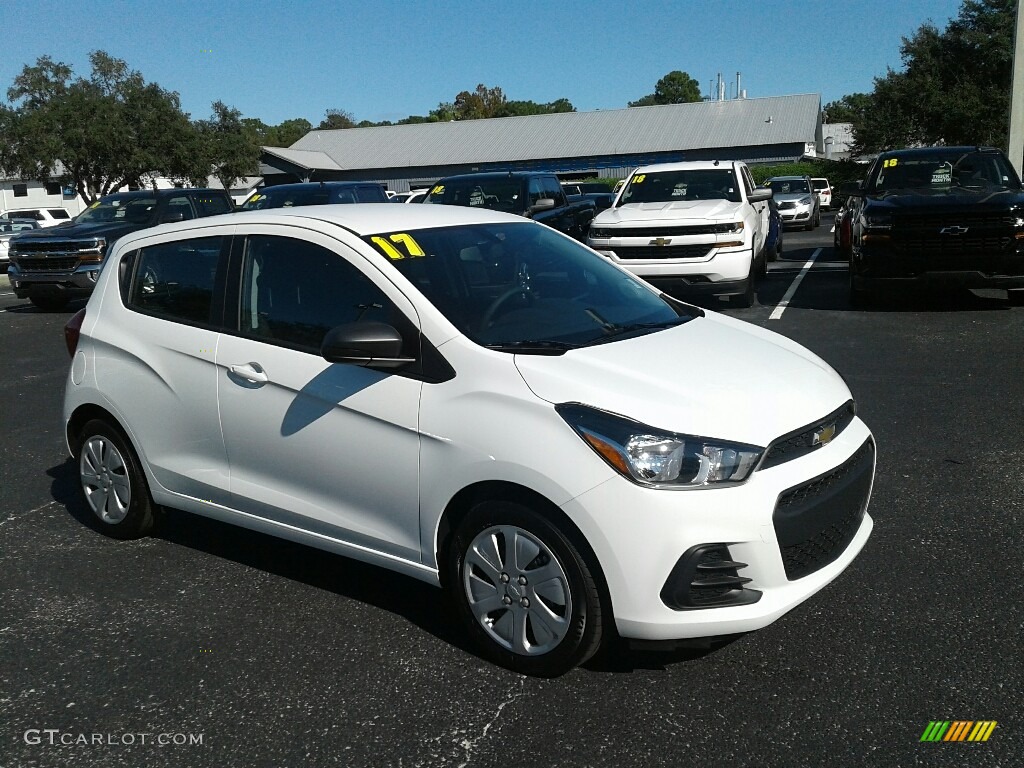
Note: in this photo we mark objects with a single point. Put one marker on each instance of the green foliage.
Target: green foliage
(107, 131)
(849, 109)
(229, 147)
(954, 87)
(674, 88)
(337, 118)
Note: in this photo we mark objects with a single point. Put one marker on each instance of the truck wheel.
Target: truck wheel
(1016, 297)
(749, 295)
(49, 303)
(523, 591)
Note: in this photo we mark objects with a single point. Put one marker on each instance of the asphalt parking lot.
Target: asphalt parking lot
(272, 654)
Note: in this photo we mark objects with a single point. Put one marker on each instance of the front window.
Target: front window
(499, 193)
(944, 170)
(676, 186)
(128, 210)
(789, 186)
(525, 288)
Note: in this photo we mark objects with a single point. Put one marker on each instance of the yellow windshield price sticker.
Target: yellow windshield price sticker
(639, 179)
(95, 205)
(438, 190)
(408, 243)
(891, 163)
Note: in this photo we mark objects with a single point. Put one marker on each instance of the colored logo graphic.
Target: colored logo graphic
(958, 730)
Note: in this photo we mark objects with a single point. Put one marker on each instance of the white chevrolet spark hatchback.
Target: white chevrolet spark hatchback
(476, 401)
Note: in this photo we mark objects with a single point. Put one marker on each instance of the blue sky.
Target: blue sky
(386, 59)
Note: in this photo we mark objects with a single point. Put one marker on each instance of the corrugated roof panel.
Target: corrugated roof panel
(674, 127)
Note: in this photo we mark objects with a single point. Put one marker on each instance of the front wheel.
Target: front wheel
(523, 590)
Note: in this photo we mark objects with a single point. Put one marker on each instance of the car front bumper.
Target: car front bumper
(70, 284)
(640, 535)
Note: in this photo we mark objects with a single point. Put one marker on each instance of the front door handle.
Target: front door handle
(252, 372)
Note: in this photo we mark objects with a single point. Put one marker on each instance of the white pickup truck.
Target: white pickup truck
(698, 227)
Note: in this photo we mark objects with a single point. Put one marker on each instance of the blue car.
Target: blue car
(773, 243)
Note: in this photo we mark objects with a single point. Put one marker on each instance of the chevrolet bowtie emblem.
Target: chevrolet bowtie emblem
(824, 435)
(953, 231)
(661, 241)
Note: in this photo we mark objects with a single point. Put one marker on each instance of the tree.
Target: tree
(674, 88)
(482, 103)
(337, 118)
(229, 147)
(954, 87)
(517, 108)
(105, 132)
(849, 109)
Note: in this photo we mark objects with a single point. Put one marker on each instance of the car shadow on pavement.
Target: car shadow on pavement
(417, 602)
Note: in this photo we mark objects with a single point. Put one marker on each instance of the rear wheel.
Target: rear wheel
(523, 590)
(112, 482)
(49, 303)
(1016, 297)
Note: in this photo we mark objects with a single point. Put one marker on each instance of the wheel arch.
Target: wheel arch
(85, 413)
(500, 490)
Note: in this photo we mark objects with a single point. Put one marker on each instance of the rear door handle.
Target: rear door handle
(252, 372)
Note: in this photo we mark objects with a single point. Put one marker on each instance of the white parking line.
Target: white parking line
(6, 294)
(777, 312)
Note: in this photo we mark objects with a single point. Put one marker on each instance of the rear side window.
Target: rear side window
(293, 292)
(59, 213)
(211, 205)
(176, 280)
(371, 194)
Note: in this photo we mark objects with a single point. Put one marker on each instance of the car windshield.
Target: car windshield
(675, 186)
(940, 171)
(129, 210)
(788, 186)
(499, 194)
(526, 288)
(10, 226)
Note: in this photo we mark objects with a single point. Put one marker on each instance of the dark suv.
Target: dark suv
(49, 267)
(949, 216)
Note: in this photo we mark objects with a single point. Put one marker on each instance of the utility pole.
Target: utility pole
(1016, 148)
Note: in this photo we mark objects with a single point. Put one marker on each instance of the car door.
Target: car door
(328, 448)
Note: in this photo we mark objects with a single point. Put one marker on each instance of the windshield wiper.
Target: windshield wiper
(532, 347)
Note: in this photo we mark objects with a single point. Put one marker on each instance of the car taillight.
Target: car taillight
(73, 330)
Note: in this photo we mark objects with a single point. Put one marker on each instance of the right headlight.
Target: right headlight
(658, 458)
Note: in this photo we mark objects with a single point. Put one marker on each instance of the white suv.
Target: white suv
(824, 192)
(699, 227)
(476, 401)
(47, 217)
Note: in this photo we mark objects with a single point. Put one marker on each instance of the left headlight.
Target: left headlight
(657, 458)
(805, 201)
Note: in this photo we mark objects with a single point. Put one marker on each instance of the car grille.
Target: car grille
(800, 442)
(696, 229)
(815, 521)
(63, 264)
(654, 252)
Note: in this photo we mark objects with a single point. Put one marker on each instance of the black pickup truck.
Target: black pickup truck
(937, 216)
(49, 267)
(537, 196)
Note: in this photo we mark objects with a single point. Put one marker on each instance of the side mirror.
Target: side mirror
(171, 216)
(760, 194)
(851, 189)
(372, 345)
(544, 204)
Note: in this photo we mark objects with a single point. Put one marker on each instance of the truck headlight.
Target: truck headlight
(598, 233)
(732, 226)
(657, 458)
(878, 222)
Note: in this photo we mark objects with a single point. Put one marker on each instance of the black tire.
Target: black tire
(762, 265)
(49, 303)
(860, 298)
(1016, 297)
(579, 614)
(749, 295)
(107, 462)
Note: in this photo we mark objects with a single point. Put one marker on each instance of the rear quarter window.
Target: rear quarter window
(211, 205)
(177, 280)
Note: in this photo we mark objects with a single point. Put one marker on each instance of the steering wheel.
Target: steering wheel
(521, 288)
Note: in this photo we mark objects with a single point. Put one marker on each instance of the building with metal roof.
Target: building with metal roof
(603, 143)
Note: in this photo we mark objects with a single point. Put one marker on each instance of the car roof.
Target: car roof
(494, 175)
(144, 193)
(320, 185)
(688, 165)
(359, 218)
(911, 151)
(787, 178)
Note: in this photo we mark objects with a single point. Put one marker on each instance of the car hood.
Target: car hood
(960, 198)
(76, 231)
(791, 197)
(691, 209)
(712, 376)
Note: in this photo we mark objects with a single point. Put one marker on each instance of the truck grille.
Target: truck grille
(816, 520)
(678, 231)
(63, 264)
(966, 234)
(654, 252)
(50, 247)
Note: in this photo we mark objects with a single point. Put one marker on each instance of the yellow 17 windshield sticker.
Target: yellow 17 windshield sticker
(389, 246)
